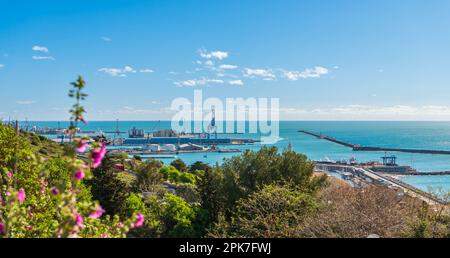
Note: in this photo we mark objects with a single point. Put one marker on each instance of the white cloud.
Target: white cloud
(127, 110)
(367, 112)
(315, 72)
(209, 63)
(118, 72)
(198, 82)
(106, 39)
(40, 49)
(236, 82)
(1, 66)
(213, 54)
(43, 58)
(123, 72)
(265, 74)
(228, 67)
(25, 102)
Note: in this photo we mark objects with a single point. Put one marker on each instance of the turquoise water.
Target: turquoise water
(421, 135)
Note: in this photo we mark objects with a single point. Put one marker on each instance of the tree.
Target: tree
(210, 198)
(148, 176)
(179, 165)
(244, 174)
(176, 215)
(198, 165)
(108, 189)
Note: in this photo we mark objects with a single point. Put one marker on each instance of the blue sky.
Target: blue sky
(324, 59)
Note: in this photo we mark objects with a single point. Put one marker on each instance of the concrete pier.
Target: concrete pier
(357, 147)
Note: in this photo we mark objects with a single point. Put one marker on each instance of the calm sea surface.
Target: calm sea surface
(420, 135)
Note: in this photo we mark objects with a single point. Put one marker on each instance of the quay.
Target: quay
(174, 152)
(366, 176)
(357, 147)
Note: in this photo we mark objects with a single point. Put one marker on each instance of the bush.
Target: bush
(274, 211)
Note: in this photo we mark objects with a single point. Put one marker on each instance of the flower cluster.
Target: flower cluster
(76, 219)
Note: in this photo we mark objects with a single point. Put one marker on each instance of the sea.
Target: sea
(404, 134)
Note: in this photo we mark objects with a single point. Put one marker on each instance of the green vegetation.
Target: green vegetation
(57, 190)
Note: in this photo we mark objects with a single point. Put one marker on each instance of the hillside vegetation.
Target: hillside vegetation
(79, 190)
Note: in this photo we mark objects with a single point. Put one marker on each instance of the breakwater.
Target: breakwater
(357, 147)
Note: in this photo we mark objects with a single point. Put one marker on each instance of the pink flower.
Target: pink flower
(82, 146)
(78, 220)
(21, 195)
(97, 213)
(139, 220)
(2, 228)
(120, 224)
(8, 194)
(79, 175)
(104, 235)
(55, 191)
(98, 155)
(9, 174)
(42, 190)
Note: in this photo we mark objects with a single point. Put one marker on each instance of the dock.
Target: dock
(370, 177)
(357, 147)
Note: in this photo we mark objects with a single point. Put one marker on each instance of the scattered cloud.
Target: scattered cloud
(228, 67)
(123, 72)
(25, 102)
(368, 112)
(106, 39)
(146, 71)
(236, 82)
(118, 72)
(315, 72)
(209, 63)
(1, 66)
(198, 82)
(265, 74)
(213, 54)
(43, 58)
(127, 110)
(40, 49)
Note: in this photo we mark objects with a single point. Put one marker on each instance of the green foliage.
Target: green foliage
(199, 166)
(134, 203)
(245, 174)
(273, 211)
(208, 187)
(188, 192)
(42, 193)
(110, 189)
(177, 216)
(148, 175)
(173, 175)
(179, 165)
